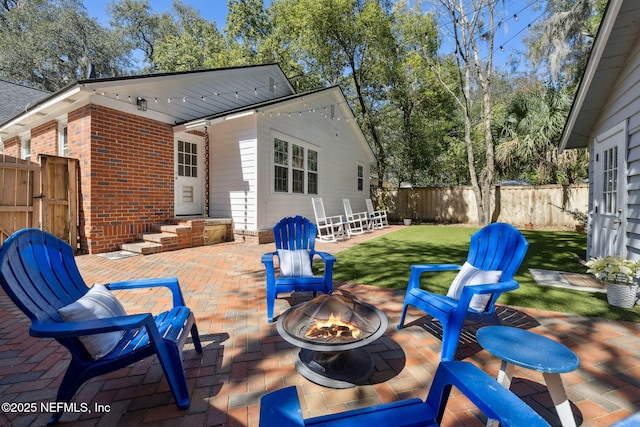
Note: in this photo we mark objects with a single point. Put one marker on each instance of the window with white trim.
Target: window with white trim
(295, 168)
(25, 149)
(360, 177)
(63, 139)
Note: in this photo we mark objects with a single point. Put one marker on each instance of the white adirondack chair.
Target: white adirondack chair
(330, 228)
(377, 217)
(357, 222)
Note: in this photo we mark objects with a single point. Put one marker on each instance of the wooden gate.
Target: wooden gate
(41, 195)
(19, 183)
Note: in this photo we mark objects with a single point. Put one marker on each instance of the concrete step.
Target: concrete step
(163, 238)
(172, 228)
(144, 248)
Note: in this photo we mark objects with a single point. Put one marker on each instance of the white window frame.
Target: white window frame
(360, 182)
(305, 168)
(25, 147)
(63, 138)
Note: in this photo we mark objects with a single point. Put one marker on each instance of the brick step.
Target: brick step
(144, 248)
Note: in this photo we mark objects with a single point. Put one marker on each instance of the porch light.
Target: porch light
(142, 104)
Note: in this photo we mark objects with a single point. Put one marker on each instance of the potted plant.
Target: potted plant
(620, 277)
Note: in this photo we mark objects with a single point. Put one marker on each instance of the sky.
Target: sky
(215, 10)
(508, 37)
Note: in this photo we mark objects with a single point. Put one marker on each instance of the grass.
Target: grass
(385, 261)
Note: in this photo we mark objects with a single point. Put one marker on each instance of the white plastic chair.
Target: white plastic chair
(330, 228)
(378, 219)
(357, 222)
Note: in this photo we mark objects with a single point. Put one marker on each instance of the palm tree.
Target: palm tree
(529, 136)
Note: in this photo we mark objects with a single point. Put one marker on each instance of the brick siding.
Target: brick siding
(126, 170)
(12, 147)
(44, 140)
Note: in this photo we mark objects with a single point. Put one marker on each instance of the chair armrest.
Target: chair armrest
(325, 256)
(334, 220)
(491, 288)
(468, 293)
(494, 400)
(169, 282)
(268, 258)
(89, 327)
(418, 269)
(281, 408)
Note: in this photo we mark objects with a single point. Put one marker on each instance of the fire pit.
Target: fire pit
(331, 331)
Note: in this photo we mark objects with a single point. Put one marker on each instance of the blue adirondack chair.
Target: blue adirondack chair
(295, 239)
(281, 408)
(39, 274)
(496, 247)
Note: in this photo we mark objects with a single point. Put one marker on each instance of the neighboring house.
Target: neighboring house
(233, 145)
(605, 117)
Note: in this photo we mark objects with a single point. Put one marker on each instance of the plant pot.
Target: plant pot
(407, 221)
(621, 295)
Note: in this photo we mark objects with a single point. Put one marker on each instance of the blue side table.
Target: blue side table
(532, 351)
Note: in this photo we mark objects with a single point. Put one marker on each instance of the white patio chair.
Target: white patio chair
(357, 222)
(378, 218)
(330, 228)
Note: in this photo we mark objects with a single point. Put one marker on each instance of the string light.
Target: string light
(323, 111)
(185, 99)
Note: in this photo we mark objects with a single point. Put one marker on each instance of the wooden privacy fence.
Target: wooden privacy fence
(542, 206)
(41, 195)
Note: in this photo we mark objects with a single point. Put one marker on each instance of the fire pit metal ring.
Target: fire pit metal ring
(331, 331)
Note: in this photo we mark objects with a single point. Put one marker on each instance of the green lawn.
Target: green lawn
(385, 261)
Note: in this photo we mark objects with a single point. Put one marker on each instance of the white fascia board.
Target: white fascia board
(63, 97)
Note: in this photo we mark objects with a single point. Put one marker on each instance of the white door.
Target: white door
(609, 192)
(189, 174)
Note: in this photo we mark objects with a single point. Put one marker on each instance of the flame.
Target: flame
(333, 326)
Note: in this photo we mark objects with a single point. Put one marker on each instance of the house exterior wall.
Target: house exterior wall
(232, 169)
(12, 147)
(44, 140)
(624, 104)
(127, 171)
(340, 152)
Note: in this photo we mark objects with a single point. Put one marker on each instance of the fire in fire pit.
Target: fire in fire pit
(332, 320)
(331, 331)
(333, 328)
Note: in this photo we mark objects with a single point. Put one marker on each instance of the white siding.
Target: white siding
(340, 150)
(232, 183)
(624, 104)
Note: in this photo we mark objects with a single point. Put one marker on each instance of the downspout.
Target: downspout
(207, 172)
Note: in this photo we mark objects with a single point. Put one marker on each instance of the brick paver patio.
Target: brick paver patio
(244, 357)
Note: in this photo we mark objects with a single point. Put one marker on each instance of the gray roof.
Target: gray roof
(15, 98)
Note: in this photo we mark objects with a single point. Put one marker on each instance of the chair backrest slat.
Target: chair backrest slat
(498, 246)
(318, 209)
(38, 272)
(295, 233)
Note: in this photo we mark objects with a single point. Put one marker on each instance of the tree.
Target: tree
(143, 29)
(562, 42)
(530, 134)
(197, 44)
(345, 42)
(419, 112)
(49, 44)
(473, 27)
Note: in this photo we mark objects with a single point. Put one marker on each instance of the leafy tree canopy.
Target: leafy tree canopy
(48, 44)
